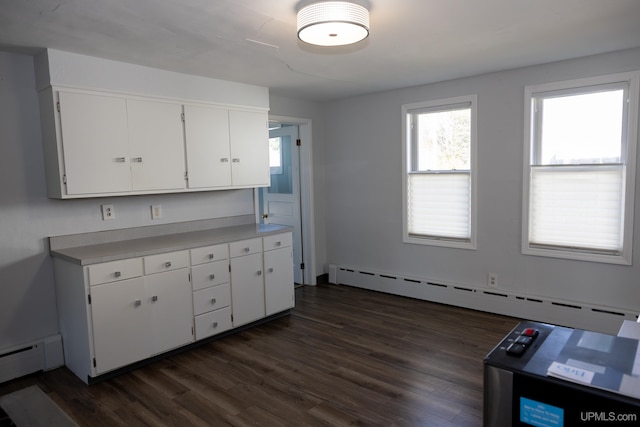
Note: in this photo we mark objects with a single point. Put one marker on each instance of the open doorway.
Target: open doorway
(288, 200)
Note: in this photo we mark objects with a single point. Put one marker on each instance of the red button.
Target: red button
(530, 332)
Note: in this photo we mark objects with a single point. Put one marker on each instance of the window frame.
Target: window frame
(629, 143)
(408, 158)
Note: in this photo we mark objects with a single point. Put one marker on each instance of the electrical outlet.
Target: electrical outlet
(108, 212)
(156, 211)
(492, 280)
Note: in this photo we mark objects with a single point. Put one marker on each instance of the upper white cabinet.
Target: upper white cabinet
(226, 147)
(157, 148)
(249, 136)
(110, 144)
(207, 145)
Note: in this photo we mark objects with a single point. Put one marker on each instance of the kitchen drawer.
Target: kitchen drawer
(166, 262)
(212, 298)
(205, 275)
(209, 254)
(277, 241)
(245, 247)
(212, 323)
(114, 271)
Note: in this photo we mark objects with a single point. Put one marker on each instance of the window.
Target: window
(439, 182)
(275, 155)
(580, 168)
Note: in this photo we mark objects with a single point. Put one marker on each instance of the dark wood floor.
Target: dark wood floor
(344, 356)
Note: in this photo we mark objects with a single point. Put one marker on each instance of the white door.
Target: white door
(280, 203)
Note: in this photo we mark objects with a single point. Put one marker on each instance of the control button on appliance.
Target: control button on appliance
(516, 349)
(524, 340)
(530, 332)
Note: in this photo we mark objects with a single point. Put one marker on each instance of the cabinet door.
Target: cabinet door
(157, 145)
(247, 289)
(207, 146)
(278, 280)
(119, 312)
(171, 309)
(95, 143)
(249, 135)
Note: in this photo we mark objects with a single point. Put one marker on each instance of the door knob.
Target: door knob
(265, 215)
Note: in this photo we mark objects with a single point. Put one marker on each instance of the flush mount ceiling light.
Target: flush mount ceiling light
(333, 23)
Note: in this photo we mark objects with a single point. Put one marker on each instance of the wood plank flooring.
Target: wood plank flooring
(344, 356)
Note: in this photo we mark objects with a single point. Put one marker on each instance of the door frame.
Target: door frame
(306, 195)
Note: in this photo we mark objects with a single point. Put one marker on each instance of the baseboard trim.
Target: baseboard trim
(541, 309)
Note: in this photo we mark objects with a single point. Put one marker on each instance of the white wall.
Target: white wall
(28, 217)
(363, 175)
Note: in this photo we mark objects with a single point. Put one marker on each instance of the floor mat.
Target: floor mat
(31, 407)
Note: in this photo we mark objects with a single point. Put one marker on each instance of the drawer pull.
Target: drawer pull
(278, 243)
(117, 274)
(120, 159)
(270, 270)
(154, 298)
(212, 276)
(224, 160)
(137, 159)
(167, 264)
(215, 324)
(137, 303)
(246, 249)
(236, 160)
(259, 273)
(210, 256)
(213, 301)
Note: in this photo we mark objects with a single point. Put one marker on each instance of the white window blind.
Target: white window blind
(439, 205)
(577, 207)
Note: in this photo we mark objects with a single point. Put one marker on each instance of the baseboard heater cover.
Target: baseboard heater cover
(565, 313)
(41, 355)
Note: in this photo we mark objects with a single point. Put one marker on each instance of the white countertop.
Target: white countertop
(112, 251)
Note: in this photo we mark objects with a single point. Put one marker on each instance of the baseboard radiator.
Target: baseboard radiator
(540, 309)
(41, 355)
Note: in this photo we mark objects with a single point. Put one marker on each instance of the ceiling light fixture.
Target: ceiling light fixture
(333, 23)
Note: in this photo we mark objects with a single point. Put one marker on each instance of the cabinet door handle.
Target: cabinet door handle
(117, 274)
(210, 256)
(137, 303)
(259, 273)
(213, 301)
(137, 159)
(270, 270)
(120, 159)
(154, 298)
(224, 160)
(236, 160)
(212, 276)
(167, 264)
(215, 324)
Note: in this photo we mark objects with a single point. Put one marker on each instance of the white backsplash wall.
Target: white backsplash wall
(28, 217)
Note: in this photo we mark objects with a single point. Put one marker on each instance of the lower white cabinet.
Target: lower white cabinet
(117, 313)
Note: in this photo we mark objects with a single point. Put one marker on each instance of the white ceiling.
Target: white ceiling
(412, 42)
